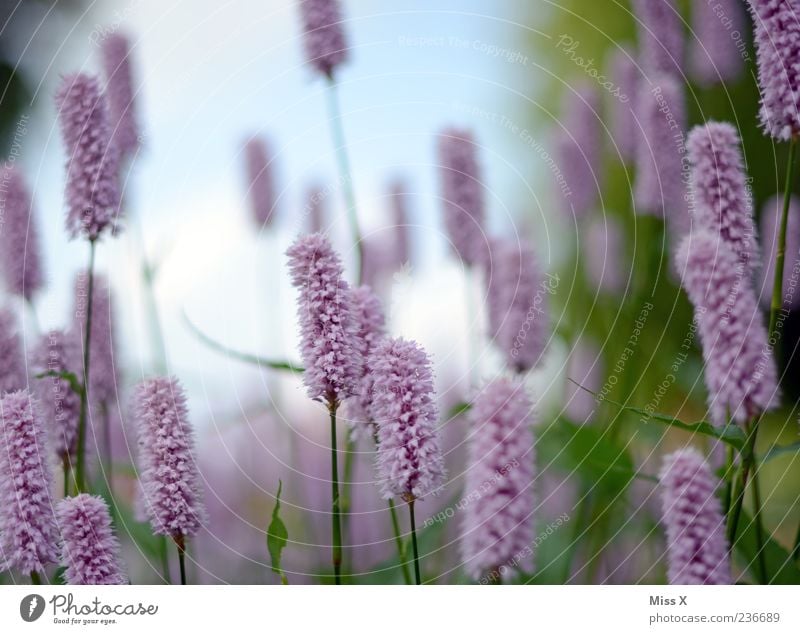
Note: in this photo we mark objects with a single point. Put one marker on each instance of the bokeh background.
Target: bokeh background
(209, 75)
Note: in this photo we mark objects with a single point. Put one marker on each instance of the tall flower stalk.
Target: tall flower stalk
(93, 199)
(331, 356)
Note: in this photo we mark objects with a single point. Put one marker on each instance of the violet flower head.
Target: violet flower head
(660, 187)
(260, 183)
(328, 326)
(721, 200)
(399, 207)
(103, 374)
(13, 375)
(660, 35)
(462, 194)
(58, 351)
(697, 549)
(777, 38)
(90, 550)
(316, 209)
(123, 115)
(770, 215)
(714, 54)
(498, 523)
(371, 328)
(27, 525)
(579, 147)
(170, 480)
(19, 236)
(325, 43)
(740, 372)
(625, 129)
(518, 299)
(410, 461)
(92, 193)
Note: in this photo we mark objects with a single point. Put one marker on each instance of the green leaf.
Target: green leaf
(779, 450)
(70, 377)
(276, 537)
(588, 451)
(731, 434)
(458, 409)
(781, 568)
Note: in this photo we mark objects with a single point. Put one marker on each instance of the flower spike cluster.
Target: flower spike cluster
(328, 327)
(740, 371)
(714, 55)
(170, 480)
(261, 188)
(93, 196)
(697, 549)
(123, 117)
(27, 523)
(498, 523)
(410, 461)
(90, 550)
(19, 239)
(326, 46)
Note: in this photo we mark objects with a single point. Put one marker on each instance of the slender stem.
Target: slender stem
(398, 540)
(107, 447)
(156, 331)
(80, 471)
(414, 546)
(744, 472)
(796, 549)
(336, 527)
(726, 501)
(345, 176)
(780, 253)
(349, 465)
(181, 544)
(65, 467)
(760, 539)
(35, 578)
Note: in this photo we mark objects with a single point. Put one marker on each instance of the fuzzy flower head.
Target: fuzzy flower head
(518, 299)
(103, 375)
(579, 146)
(260, 184)
(27, 526)
(660, 35)
(410, 461)
(123, 117)
(168, 473)
(371, 324)
(19, 238)
(326, 46)
(777, 37)
(625, 129)
(498, 523)
(770, 215)
(399, 197)
(13, 375)
(697, 549)
(740, 372)
(462, 194)
(58, 352)
(660, 188)
(90, 550)
(714, 54)
(721, 199)
(328, 327)
(93, 196)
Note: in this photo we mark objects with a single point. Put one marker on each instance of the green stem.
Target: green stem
(398, 540)
(181, 544)
(164, 557)
(80, 471)
(763, 577)
(726, 500)
(748, 456)
(65, 467)
(335, 501)
(35, 578)
(343, 165)
(796, 550)
(349, 465)
(780, 253)
(414, 546)
(107, 447)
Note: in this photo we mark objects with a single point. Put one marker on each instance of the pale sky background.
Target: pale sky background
(211, 73)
